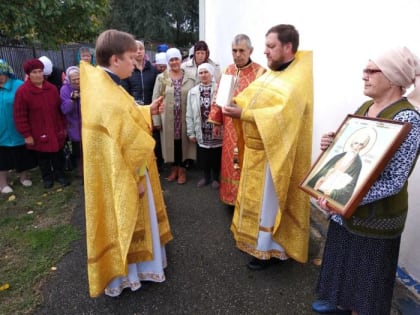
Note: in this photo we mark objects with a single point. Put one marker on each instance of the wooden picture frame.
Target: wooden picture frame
(361, 149)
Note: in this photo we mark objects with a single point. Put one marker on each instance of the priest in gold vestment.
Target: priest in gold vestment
(126, 221)
(274, 117)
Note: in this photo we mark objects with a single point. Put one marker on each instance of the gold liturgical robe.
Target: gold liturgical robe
(117, 149)
(276, 124)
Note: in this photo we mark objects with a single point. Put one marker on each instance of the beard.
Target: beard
(275, 64)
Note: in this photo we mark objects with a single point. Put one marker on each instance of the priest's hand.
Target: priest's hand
(158, 106)
(232, 110)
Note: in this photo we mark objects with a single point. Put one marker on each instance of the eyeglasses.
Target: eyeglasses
(369, 72)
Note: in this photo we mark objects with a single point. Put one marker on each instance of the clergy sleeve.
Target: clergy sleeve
(247, 115)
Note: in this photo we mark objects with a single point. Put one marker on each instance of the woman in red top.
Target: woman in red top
(39, 119)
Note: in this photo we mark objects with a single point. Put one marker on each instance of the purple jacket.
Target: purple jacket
(71, 109)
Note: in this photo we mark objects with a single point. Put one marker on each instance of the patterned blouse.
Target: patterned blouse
(177, 108)
(397, 170)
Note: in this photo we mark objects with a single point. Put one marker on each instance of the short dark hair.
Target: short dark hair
(202, 45)
(286, 33)
(113, 42)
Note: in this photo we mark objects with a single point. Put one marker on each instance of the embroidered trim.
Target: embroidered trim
(264, 255)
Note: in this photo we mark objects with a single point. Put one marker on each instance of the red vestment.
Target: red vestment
(230, 171)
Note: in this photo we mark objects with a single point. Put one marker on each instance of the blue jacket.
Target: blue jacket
(9, 136)
(140, 84)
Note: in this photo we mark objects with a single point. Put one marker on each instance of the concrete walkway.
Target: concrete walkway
(206, 274)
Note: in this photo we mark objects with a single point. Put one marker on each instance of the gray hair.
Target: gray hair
(242, 37)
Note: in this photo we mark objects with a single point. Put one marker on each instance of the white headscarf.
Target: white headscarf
(173, 53)
(47, 64)
(161, 58)
(206, 66)
(402, 68)
(70, 70)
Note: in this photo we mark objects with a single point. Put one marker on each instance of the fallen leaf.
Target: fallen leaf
(45, 195)
(39, 203)
(59, 189)
(30, 212)
(11, 198)
(4, 287)
(53, 268)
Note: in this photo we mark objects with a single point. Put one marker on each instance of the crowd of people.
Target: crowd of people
(137, 116)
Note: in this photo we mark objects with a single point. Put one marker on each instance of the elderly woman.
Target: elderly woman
(174, 85)
(70, 106)
(161, 63)
(86, 54)
(200, 130)
(52, 73)
(13, 154)
(361, 253)
(39, 120)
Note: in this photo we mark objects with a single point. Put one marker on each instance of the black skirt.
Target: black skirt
(358, 273)
(17, 158)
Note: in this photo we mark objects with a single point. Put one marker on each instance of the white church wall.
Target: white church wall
(342, 35)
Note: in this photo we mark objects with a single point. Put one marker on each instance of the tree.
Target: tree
(174, 22)
(51, 22)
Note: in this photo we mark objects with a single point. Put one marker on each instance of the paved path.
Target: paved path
(206, 274)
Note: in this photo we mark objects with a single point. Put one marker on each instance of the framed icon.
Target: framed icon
(361, 149)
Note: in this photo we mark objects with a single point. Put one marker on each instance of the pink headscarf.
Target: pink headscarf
(402, 68)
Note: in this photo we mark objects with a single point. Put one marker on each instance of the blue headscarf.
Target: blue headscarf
(91, 51)
(162, 48)
(6, 69)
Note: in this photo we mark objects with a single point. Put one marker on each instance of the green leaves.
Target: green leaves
(55, 22)
(52, 22)
(174, 22)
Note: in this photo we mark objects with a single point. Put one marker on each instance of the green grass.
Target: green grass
(35, 232)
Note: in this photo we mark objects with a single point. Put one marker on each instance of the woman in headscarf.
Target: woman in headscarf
(13, 154)
(200, 130)
(86, 54)
(174, 85)
(161, 63)
(40, 121)
(70, 106)
(361, 253)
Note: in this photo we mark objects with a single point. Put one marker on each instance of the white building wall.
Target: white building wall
(343, 35)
